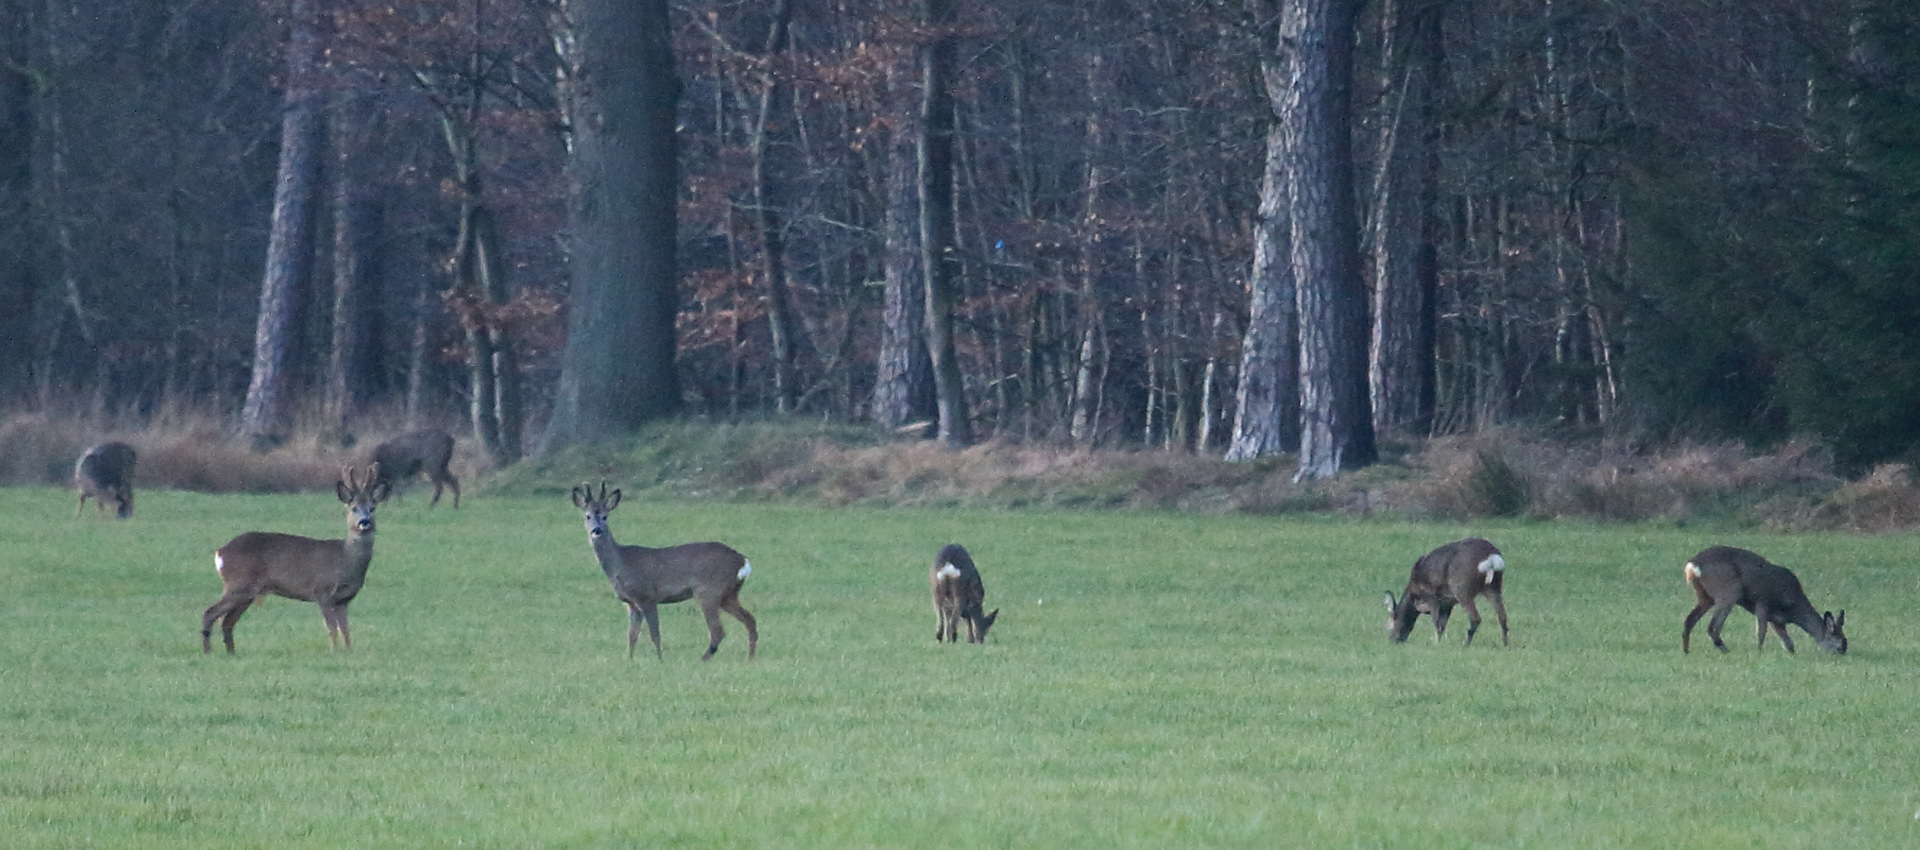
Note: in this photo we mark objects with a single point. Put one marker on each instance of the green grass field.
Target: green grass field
(1154, 681)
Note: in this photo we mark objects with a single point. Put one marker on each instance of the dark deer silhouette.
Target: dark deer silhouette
(1722, 577)
(327, 572)
(105, 472)
(1455, 573)
(708, 573)
(425, 451)
(958, 595)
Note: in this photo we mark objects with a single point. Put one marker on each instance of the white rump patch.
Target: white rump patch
(1492, 566)
(219, 566)
(1691, 571)
(948, 571)
(746, 569)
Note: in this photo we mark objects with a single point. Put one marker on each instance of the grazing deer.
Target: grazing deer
(957, 595)
(427, 451)
(328, 572)
(708, 573)
(105, 472)
(1455, 573)
(1722, 577)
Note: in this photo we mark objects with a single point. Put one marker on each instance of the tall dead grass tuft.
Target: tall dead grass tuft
(1885, 500)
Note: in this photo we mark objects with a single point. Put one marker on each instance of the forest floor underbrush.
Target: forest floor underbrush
(1505, 473)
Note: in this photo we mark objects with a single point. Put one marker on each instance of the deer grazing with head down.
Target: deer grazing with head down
(105, 472)
(1456, 573)
(958, 595)
(708, 573)
(1722, 577)
(327, 572)
(427, 451)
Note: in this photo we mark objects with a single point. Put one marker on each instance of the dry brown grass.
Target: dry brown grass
(1493, 474)
(188, 454)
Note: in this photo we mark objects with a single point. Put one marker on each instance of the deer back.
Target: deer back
(674, 573)
(410, 454)
(1459, 570)
(1722, 574)
(105, 471)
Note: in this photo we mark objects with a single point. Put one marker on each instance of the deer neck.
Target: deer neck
(358, 548)
(608, 554)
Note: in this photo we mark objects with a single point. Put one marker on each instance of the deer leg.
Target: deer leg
(1784, 640)
(436, 493)
(1473, 620)
(711, 610)
(455, 484)
(633, 627)
(1499, 610)
(1686, 632)
(336, 616)
(83, 504)
(1442, 609)
(230, 607)
(1760, 624)
(651, 613)
(732, 606)
(1714, 623)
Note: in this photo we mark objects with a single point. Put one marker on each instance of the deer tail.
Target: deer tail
(1492, 567)
(948, 571)
(746, 569)
(1691, 572)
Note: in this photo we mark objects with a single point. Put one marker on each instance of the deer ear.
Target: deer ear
(577, 502)
(1840, 620)
(381, 489)
(613, 499)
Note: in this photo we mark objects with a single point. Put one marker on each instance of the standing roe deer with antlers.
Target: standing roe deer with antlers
(428, 451)
(959, 595)
(708, 573)
(1455, 573)
(1722, 577)
(105, 472)
(327, 572)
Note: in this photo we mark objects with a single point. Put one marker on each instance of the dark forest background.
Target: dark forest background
(1663, 218)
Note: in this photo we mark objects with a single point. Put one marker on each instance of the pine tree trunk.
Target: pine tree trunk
(265, 418)
(1403, 231)
(17, 230)
(1264, 403)
(903, 386)
(937, 248)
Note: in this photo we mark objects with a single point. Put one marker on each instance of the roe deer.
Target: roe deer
(957, 595)
(708, 573)
(105, 472)
(1722, 577)
(1455, 573)
(328, 572)
(425, 451)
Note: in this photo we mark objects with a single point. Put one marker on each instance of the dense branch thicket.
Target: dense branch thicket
(1653, 217)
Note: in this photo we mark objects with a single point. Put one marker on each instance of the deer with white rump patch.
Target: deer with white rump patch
(105, 472)
(958, 595)
(1722, 577)
(1458, 573)
(327, 572)
(708, 573)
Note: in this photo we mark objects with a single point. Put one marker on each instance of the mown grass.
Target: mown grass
(1154, 681)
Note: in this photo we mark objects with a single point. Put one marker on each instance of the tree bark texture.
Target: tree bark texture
(265, 418)
(937, 248)
(619, 93)
(1405, 273)
(903, 385)
(1336, 429)
(782, 325)
(1266, 403)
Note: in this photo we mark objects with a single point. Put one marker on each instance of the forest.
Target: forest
(1229, 227)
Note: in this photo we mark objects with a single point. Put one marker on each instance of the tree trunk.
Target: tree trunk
(265, 418)
(937, 248)
(903, 386)
(1336, 429)
(1403, 229)
(352, 238)
(620, 94)
(781, 323)
(17, 231)
(1264, 404)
